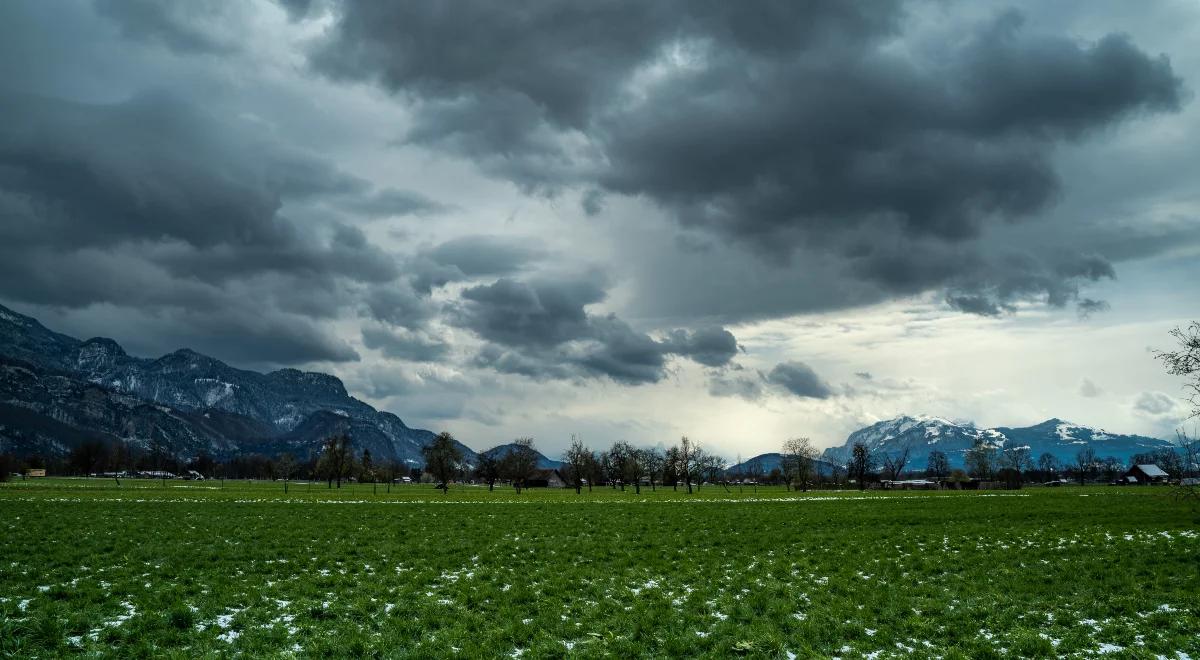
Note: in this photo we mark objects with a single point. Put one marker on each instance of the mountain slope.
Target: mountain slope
(500, 451)
(185, 401)
(764, 464)
(923, 435)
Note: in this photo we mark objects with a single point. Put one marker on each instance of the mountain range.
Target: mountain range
(923, 435)
(57, 391)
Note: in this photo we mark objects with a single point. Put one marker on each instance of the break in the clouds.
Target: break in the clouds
(477, 210)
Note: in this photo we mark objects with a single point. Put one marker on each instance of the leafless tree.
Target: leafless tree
(577, 459)
(861, 464)
(520, 462)
(893, 464)
(654, 460)
(1048, 464)
(285, 467)
(487, 469)
(938, 465)
(443, 459)
(1185, 361)
(337, 459)
(686, 461)
(1085, 463)
(981, 460)
(799, 458)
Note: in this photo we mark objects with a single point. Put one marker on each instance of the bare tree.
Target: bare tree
(686, 457)
(337, 459)
(799, 457)
(520, 462)
(938, 466)
(443, 459)
(285, 467)
(655, 460)
(637, 467)
(861, 464)
(1185, 361)
(1085, 463)
(981, 459)
(894, 464)
(487, 469)
(620, 456)
(671, 468)
(1188, 448)
(577, 459)
(1048, 464)
(1014, 461)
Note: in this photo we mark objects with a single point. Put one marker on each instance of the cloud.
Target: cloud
(708, 113)
(711, 346)
(1156, 404)
(1088, 389)
(799, 379)
(198, 26)
(541, 329)
(746, 387)
(480, 255)
(405, 344)
(155, 206)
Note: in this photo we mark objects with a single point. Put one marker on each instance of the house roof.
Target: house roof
(1151, 470)
(545, 473)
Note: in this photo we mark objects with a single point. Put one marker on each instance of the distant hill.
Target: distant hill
(766, 463)
(923, 435)
(58, 391)
(500, 451)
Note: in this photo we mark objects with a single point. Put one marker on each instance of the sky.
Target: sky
(740, 222)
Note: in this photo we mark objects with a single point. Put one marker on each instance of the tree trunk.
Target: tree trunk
(689, 485)
(637, 488)
(491, 486)
(578, 488)
(285, 486)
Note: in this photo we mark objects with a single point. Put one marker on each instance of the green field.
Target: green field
(194, 569)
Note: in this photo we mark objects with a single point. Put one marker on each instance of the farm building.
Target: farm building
(35, 472)
(1147, 474)
(546, 478)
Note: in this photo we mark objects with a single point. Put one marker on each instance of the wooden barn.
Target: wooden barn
(1147, 474)
(546, 478)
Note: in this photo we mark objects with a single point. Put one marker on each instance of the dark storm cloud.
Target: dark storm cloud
(799, 379)
(152, 204)
(541, 329)
(783, 126)
(712, 347)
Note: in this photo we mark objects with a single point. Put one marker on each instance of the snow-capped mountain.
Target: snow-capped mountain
(923, 435)
(56, 391)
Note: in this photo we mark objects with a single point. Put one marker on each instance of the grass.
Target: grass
(194, 569)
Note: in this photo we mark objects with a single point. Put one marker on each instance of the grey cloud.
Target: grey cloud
(1088, 389)
(712, 346)
(542, 329)
(799, 379)
(746, 387)
(393, 202)
(1088, 306)
(196, 26)
(412, 345)
(709, 112)
(155, 206)
(479, 255)
(399, 305)
(1155, 404)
